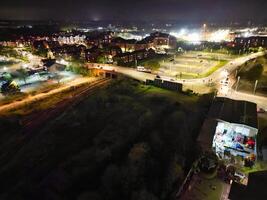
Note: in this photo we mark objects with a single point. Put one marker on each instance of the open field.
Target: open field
(254, 70)
(193, 64)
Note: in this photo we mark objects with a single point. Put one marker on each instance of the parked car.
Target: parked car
(260, 110)
(239, 176)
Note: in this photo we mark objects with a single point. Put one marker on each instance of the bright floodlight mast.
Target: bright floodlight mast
(205, 32)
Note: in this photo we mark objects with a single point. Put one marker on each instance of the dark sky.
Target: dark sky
(188, 10)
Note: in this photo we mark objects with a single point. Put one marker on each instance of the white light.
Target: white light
(5, 68)
(30, 56)
(247, 34)
(180, 34)
(194, 38)
(224, 73)
(224, 90)
(184, 34)
(219, 36)
(24, 66)
(63, 62)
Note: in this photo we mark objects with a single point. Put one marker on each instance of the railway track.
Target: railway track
(31, 124)
(34, 121)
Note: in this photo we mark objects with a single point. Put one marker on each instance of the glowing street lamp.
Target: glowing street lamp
(24, 66)
(225, 73)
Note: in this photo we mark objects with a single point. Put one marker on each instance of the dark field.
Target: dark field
(128, 141)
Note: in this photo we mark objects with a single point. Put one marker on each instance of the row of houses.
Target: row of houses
(253, 41)
(98, 44)
(113, 49)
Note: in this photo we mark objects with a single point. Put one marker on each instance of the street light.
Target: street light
(238, 79)
(24, 66)
(255, 87)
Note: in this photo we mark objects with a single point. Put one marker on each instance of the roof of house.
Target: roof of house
(159, 34)
(124, 41)
(233, 111)
(146, 40)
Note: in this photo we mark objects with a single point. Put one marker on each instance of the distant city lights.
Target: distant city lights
(219, 36)
(194, 38)
(63, 62)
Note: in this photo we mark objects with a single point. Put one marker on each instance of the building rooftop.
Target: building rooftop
(233, 111)
(256, 188)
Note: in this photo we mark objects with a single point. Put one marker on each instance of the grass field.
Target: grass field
(252, 71)
(175, 96)
(214, 68)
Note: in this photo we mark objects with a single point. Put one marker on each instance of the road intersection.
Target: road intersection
(215, 77)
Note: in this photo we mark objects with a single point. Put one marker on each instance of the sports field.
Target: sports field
(193, 64)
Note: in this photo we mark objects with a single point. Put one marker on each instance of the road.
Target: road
(133, 73)
(259, 100)
(141, 76)
(214, 77)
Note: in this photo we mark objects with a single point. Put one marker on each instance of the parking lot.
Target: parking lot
(30, 77)
(193, 64)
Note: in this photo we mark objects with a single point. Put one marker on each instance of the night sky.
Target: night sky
(188, 10)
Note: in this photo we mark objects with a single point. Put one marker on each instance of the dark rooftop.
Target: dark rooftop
(122, 40)
(233, 111)
(256, 188)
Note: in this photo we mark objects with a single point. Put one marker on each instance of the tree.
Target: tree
(6, 77)
(10, 87)
(152, 64)
(58, 77)
(111, 180)
(41, 52)
(23, 74)
(101, 59)
(138, 152)
(143, 195)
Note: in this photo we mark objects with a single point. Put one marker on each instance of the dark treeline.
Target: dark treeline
(11, 34)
